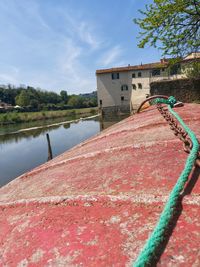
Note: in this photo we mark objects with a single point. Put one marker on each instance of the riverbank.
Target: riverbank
(50, 125)
(19, 117)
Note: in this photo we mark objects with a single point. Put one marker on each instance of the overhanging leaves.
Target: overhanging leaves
(171, 25)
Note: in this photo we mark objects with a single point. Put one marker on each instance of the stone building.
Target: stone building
(122, 89)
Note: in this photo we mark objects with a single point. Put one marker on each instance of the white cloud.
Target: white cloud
(111, 57)
(86, 34)
(49, 54)
(32, 11)
(70, 56)
(85, 31)
(72, 70)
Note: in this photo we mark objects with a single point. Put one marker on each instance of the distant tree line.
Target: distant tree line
(34, 99)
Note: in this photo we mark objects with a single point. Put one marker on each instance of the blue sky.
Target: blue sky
(58, 44)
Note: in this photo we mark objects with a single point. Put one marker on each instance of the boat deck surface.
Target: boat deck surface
(96, 204)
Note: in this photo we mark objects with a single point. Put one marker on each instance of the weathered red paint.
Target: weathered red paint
(96, 204)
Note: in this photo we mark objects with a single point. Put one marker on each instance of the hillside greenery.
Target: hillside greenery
(32, 99)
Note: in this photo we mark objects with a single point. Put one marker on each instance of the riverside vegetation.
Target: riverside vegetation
(17, 117)
(25, 104)
(33, 99)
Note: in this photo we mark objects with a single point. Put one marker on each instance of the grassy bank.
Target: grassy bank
(17, 117)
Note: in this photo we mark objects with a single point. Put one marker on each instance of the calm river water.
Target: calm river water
(22, 148)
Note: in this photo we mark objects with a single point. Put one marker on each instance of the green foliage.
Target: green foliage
(171, 25)
(34, 103)
(174, 68)
(192, 70)
(92, 111)
(8, 94)
(76, 101)
(15, 117)
(23, 99)
(64, 96)
(32, 99)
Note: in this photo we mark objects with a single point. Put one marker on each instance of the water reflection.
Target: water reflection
(6, 129)
(21, 151)
(108, 121)
(17, 136)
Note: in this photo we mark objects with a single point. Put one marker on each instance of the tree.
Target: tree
(64, 96)
(34, 103)
(23, 99)
(171, 25)
(75, 101)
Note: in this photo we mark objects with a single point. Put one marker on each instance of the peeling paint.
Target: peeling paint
(37, 256)
(96, 204)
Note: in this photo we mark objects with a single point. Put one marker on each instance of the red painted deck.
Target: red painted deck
(96, 204)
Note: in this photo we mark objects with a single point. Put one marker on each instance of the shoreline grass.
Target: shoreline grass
(19, 117)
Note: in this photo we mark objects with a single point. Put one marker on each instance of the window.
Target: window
(133, 75)
(134, 86)
(115, 75)
(156, 72)
(139, 85)
(163, 69)
(122, 98)
(139, 74)
(100, 102)
(124, 87)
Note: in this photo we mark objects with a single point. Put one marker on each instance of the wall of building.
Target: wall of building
(115, 110)
(140, 94)
(109, 91)
(185, 90)
(110, 94)
(193, 55)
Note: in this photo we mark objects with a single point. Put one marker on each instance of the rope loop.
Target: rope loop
(170, 101)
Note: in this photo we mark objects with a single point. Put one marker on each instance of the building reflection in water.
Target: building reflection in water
(108, 120)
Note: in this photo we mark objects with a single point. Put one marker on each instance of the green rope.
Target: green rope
(149, 250)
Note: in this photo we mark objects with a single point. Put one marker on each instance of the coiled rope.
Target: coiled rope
(157, 237)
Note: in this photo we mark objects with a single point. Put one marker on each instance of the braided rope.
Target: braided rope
(148, 252)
